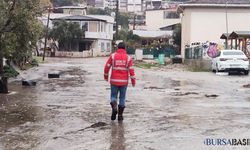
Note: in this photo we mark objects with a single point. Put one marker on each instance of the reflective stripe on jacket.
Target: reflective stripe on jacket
(121, 64)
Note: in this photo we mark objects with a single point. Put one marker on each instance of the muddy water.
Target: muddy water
(167, 109)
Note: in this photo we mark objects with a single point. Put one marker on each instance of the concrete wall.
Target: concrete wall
(100, 48)
(73, 54)
(208, 24)
(155, 20)
(134, 6)
(202, 64)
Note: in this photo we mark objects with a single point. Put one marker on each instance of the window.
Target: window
(233, 53)
(170, 15)
(76, 22)
(102, 47)
(85, 26)
(93, 26)
(108, 47)
(102, 27)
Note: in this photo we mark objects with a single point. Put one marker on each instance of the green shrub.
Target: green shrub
(34, 62)
(9, 72)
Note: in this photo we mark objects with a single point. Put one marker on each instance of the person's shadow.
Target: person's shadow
(117, 140)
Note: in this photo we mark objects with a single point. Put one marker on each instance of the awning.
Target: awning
(225, 36)
(153, 34)
(240, 34)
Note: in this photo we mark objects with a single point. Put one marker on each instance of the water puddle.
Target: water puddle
(17, 114)
(183, 94)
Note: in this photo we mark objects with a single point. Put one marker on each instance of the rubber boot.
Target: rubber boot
(114, 110)
(120, 112)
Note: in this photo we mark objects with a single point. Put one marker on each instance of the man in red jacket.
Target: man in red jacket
(122, 68)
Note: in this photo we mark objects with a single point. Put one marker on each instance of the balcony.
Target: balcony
(98, 35)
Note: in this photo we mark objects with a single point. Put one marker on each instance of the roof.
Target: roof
(55, 15)
(236, 34)
(168, 26)
(214, 4)
(103, 17)
(240, 34)
(79, 18)
(72, 7)
(224, 36)
(153, 34)
(163, 9)
(182, 6)
(218, 2)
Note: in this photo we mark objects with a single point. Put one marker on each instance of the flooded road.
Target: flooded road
(168, 109)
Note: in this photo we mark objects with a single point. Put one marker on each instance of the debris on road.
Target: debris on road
(28, 83)
(246, 86)
(211, 95)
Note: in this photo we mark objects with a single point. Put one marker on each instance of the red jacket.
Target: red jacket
(122, 68)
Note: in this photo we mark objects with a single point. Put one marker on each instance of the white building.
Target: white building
(156, 19)
(73, 10)
(203, 22)
(135, 6)
(110, 4)
(124, 5)
(98, 35)
(153, 4)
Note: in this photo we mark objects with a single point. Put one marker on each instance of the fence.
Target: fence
(168, 52)
(194, 52)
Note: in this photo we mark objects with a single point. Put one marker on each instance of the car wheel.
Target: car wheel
(246, 72)
(217, 70)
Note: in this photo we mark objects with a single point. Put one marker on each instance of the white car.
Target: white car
(231, 60)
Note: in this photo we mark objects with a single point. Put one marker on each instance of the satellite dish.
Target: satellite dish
(113, 14)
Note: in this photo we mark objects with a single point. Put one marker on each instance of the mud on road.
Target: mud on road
(168, 109)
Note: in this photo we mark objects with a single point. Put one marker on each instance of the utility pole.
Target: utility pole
(134, 16)
(46, 34)
(134, 21)
(116, 18)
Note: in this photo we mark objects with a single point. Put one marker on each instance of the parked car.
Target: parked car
(231, 60)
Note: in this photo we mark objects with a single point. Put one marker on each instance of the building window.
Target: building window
(170, 15)
(76, 22)
(85, 26)
(93, 26)
(102, 47)
(108, 47)
(102, 27)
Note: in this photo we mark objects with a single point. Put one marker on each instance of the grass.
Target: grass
(146, 65)
(38, 59)
(34, 63)
(198, 69)
(9, 72)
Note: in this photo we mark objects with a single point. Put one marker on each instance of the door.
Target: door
(82, 46)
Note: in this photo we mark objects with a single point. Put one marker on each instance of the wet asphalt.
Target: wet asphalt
(168, 109)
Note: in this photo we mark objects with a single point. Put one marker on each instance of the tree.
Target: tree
(129, 38)
(19, 32)
(65, 32)
(98, 11)
(122, 18)
(58, 3)
(45, 3)
(177, 36)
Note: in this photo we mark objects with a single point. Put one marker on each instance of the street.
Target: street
(171, 109)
